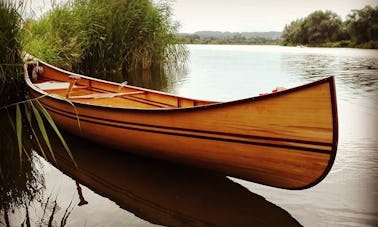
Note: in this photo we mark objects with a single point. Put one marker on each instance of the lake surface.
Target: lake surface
(118, 189)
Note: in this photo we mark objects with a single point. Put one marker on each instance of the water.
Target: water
(125, 190)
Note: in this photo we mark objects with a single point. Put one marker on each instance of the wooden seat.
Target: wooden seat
(106, 95)
(52, 85)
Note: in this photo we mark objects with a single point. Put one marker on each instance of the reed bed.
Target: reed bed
(22, 113)
(88, 36)
(10, 55)
(100, 36)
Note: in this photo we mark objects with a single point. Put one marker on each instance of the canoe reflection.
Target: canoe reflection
(164, 193)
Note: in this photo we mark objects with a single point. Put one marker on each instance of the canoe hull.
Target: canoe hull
(286, 140)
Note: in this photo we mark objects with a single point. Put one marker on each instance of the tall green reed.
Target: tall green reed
(101, 36)
(10, 56)
(12, 87)
(16, 187)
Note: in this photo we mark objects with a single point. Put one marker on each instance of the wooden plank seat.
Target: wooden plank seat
(106, 95)
(55, 85)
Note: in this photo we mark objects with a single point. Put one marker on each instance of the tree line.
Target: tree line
(245, 38)
(326, 28)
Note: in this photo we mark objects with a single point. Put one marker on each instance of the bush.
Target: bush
(369, 45)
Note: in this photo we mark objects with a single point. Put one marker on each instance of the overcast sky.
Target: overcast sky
(244, 15)
(254, 15)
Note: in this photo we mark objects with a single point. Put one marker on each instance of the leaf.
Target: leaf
(71, 103)
(19, 132)
(42, 128)
(52, 124)
(29, 118)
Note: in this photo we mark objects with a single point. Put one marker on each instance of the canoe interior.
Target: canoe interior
(99, 92)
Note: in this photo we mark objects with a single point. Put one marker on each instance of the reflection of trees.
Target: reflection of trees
(156, 80)
(19, 185)
(357, 73)
(160, 79)
(308, 66)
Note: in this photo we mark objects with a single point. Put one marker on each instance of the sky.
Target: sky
(254, 15)
(243, 15)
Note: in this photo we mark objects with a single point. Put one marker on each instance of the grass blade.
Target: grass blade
(72, 104)
(19, 132)
(29, 119)
(52, 124)
(42, 128)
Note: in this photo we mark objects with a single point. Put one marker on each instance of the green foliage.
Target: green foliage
(295, 33)
(99, 36)
(362, 25)
(33, 108)
(10, 59)
(319, 27)
(239, 38)
(327, 29)
(322, 27)
(16, 187)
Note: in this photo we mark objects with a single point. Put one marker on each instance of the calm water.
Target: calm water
(118, 189)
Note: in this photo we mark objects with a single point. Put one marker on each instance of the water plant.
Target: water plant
(100, 36)
(12, 86)
(10, 58)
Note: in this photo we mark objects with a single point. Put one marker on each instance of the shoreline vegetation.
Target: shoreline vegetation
(318, 29)
(94, 37)
(237, 38)
(98, 37)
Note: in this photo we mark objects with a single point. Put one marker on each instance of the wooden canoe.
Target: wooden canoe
(286, 139)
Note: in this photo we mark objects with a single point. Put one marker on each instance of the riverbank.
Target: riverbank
(225, 38)
(342, 44)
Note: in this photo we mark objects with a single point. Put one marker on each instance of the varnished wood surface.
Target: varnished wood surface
(287, 139)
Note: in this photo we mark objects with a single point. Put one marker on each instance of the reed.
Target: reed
(101, 36)
(10, 56)
(17, 187)
(12, 90)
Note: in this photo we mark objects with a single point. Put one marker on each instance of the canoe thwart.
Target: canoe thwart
(73, 80)
(74, 77)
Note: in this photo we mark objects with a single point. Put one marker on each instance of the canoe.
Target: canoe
(287, 139)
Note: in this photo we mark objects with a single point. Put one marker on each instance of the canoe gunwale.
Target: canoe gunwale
(191, 108)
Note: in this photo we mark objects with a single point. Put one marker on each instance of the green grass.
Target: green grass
(101, 36)
(12, 88)
(10, 57)
(88, 36)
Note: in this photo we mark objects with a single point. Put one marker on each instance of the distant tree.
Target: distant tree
(323, 27)
(362, 25)
(317, 28)
(295, 33)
